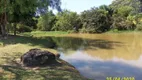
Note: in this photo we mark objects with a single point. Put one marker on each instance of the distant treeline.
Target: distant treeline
(118, 16)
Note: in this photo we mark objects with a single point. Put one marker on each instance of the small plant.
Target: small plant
(115, 30)
(1, 44)
(71, 31)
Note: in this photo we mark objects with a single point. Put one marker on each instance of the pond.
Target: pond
(98, 56)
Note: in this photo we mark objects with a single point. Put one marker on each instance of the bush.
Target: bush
(113, 30)
(129, 25)
(122, 24)
(23, 28)
(139, 27)
(72, 31)
(87, 30)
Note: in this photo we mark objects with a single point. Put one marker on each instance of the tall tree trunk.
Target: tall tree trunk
(15, 29)
(3, 21)
(3, 30)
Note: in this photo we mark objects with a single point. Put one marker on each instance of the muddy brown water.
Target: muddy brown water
(98, 56)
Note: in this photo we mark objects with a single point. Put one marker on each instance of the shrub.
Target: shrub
(23, 28)
(72, 31)
(87, 30)
(123, 24)
(139, 27)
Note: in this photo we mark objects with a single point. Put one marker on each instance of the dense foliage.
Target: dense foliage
(135, 4)
(120, 15)
(96, 19)
(46, 21)
(27, 15)
(23, 11)
(66, 21)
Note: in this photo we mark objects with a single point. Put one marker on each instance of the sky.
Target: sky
(81, 5)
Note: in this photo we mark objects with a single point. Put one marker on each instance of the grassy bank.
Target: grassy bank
(44, 33)
(14, 46)
(123, 31)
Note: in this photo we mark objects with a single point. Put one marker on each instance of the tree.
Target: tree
(124, 11)
(97, 19)
(3, 16)
(122, 23)
(67, 20)
(46, 21)
(135, 4)
(15, 11)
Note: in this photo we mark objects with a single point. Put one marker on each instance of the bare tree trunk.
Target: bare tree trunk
(15, 29)
(3, 30)
(3, 22)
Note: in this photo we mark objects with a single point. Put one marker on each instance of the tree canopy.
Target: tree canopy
(135, 4)
(66, 20)
(16, 11)
(28, 15)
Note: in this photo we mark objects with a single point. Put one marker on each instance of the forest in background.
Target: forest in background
(18, 16)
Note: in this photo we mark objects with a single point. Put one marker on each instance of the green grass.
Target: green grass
(45, 33)
(59, 71)
(123, 31)
(15, 46)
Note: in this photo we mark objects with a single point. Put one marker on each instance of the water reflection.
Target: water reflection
(103, 55)
(99, 69)
(73, 43)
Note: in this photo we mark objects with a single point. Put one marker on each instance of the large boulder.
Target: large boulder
(37, 57)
